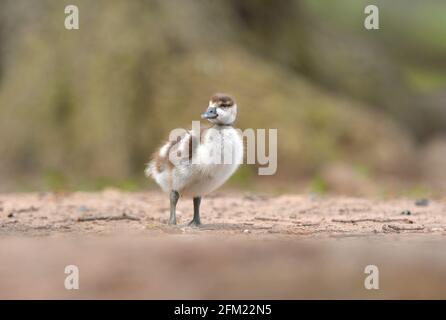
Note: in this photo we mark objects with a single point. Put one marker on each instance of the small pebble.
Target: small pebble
(406, 213)
(11, 215)
(246, 231)
(83, 209)
(422, 202)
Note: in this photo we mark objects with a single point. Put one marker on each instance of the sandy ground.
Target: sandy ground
(250, 246)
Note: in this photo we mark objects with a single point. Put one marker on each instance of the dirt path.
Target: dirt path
(250, 246)
(113, 212)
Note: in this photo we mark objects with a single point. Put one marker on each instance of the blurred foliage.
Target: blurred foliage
(86, 108)
(318, 185)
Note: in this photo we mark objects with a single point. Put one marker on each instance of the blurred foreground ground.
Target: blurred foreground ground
(251, 246)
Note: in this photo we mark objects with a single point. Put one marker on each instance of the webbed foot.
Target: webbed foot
(194, 223)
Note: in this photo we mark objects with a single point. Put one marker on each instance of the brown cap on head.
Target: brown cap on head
(223, 100)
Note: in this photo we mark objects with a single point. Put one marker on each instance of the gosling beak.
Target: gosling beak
(211, 113)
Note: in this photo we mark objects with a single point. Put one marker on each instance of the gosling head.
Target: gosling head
(222, 110)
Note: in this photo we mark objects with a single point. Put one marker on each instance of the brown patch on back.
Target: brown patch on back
(162, 162)
(190, 147)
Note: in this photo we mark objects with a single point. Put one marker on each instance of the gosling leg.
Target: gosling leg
(196, 220)
(174, 196)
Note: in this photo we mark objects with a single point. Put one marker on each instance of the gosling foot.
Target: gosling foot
(195, 223)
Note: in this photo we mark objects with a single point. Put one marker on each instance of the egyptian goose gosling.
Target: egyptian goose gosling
(199, 161)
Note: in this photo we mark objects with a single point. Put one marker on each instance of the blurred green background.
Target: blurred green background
(358, 111)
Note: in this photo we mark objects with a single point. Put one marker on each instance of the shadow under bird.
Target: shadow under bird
(198, 163)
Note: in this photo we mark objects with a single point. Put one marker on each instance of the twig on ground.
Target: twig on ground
(308, 209)
(266, 219)
(393, 227)
(124, 216)
(405, 220)
(29, 209)
(306, 224)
